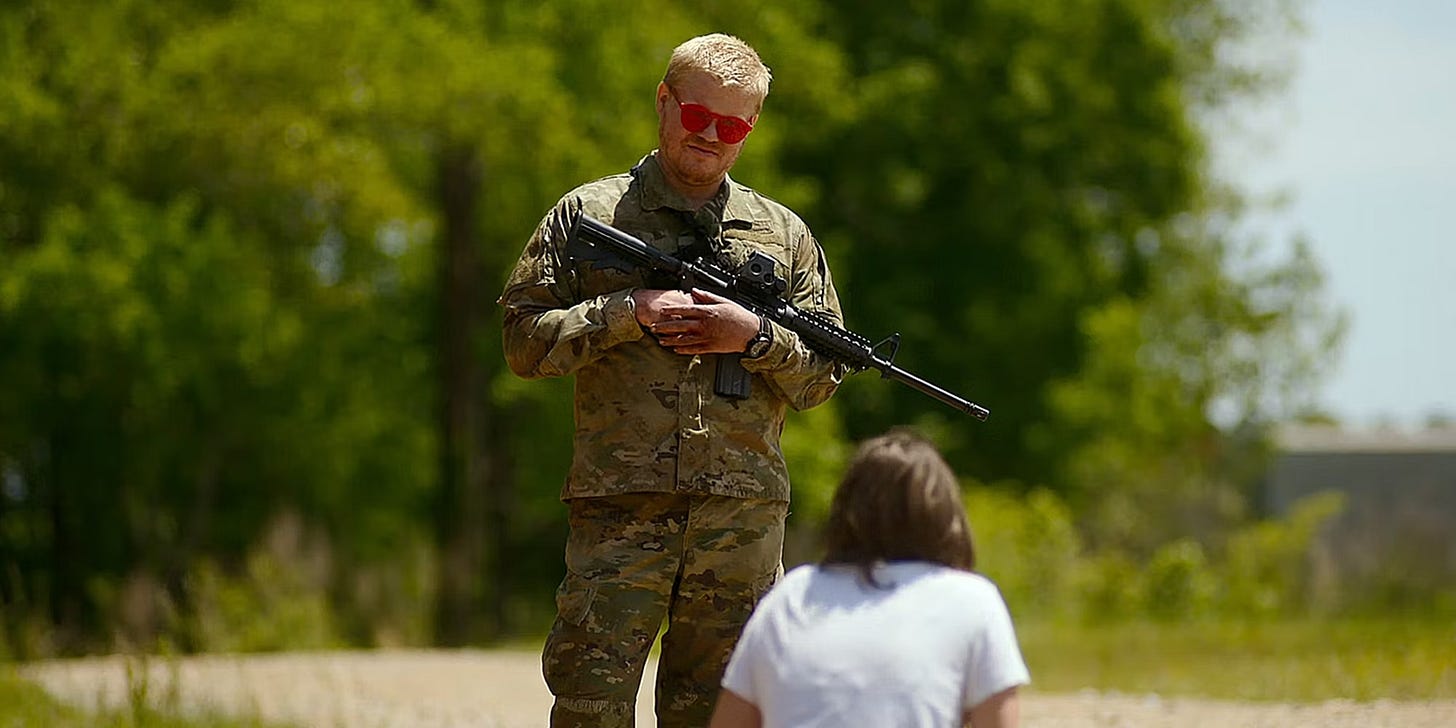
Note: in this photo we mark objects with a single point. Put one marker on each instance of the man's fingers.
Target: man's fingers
(684, 312)
(699, 299)
(702, 296)
(676, 326)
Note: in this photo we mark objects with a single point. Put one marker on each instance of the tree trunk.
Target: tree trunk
(460, 506)
(65, 593)
(496, 462)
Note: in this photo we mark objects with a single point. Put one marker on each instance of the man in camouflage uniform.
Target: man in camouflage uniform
(676, 495)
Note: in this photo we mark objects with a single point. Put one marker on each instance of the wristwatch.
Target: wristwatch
(759, 344)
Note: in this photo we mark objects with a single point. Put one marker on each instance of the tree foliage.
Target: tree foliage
(249, 252)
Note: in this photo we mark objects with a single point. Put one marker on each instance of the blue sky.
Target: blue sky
(1364, 143)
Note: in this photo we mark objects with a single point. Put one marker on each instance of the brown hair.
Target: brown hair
(899, 501)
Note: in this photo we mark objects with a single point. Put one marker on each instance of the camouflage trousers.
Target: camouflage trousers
(699, 562)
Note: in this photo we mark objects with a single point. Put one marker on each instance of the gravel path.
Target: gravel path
(454, 689)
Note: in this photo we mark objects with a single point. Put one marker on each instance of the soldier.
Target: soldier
(676, 495)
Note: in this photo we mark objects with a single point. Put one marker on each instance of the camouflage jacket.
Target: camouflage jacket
(647, 418)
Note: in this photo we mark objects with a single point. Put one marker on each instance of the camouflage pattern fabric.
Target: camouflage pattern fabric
(699, 562)
(647, 419)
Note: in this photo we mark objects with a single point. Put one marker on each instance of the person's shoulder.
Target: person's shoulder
(798, 581)
(799, 575)
(767, 208)
(599, 195)
(968, 583)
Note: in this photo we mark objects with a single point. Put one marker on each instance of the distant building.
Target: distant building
(1397, 532)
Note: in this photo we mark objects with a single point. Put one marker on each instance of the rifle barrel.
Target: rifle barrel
(890, 371)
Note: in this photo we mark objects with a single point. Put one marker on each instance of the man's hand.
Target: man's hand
(650, 302)
(703, 324)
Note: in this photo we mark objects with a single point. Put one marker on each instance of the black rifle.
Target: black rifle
(757, 287)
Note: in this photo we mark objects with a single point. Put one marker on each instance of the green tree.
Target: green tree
(249, 250)
(1028, 200)
(191, 354)
(361, 178)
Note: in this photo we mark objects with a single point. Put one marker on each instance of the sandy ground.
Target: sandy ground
(453, 689)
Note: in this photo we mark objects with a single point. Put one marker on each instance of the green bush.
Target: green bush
(269, 608)
(1032, 549)
(1029, 547)
(279, 603)
(1267, 570)
(1108, 585)
(1178, 582)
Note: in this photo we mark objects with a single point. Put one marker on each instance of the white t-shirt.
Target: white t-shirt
(823, 648)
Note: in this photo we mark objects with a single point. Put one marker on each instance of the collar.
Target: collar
(657, 194)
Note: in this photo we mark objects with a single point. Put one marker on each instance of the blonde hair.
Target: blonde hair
(730, 60)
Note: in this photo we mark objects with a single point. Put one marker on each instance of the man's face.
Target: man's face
(696, 162)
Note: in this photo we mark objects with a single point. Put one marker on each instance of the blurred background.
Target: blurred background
(251, 388)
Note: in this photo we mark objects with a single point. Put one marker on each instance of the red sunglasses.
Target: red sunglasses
(696, 117)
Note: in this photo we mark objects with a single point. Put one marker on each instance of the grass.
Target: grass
(25, 705)
(1298, 661)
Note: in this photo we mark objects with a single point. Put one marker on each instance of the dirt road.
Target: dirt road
(455, 689)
